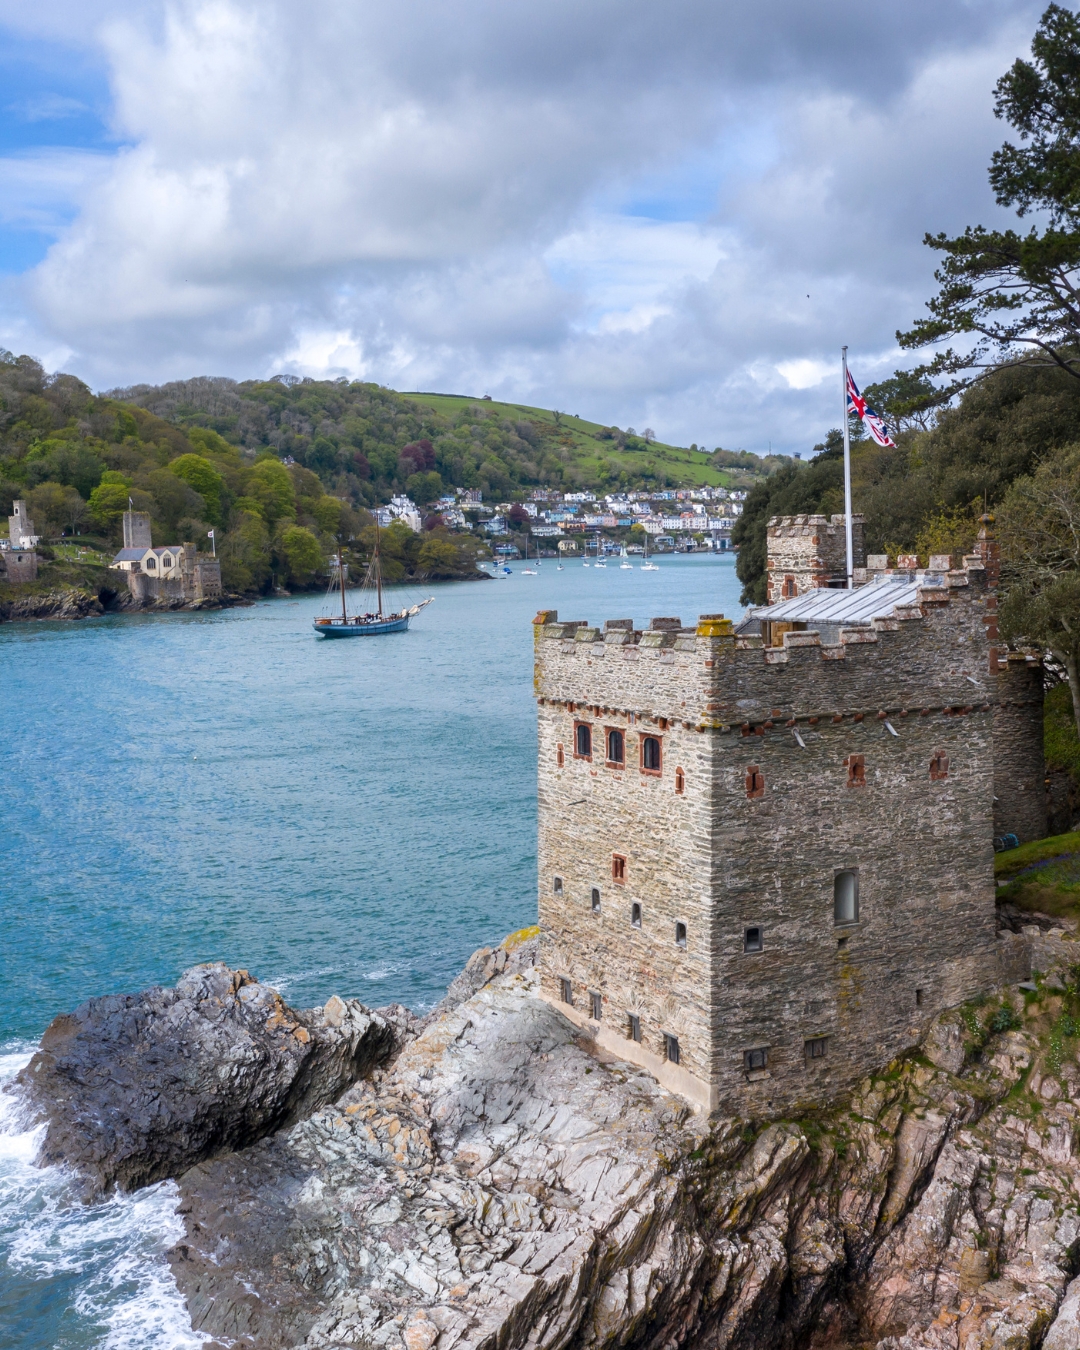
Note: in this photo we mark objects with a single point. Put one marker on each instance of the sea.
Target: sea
(337, 817)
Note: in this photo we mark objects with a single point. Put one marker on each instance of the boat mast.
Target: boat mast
(378, 565)
(341, 578)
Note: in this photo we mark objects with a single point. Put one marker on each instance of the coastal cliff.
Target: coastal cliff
(488, 1177)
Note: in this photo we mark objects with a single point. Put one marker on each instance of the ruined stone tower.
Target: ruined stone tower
(763, 869)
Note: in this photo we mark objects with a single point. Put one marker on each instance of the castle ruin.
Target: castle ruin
(766, 857)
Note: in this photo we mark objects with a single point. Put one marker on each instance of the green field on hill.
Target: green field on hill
(690, 468)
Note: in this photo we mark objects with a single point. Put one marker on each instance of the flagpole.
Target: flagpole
(847, 475)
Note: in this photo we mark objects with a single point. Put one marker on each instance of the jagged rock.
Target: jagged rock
(515, 954)
(943, 1044)
(503, 1185)
(64, 604)
(136, 1088)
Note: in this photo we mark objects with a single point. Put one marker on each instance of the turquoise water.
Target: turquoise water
(338, 817)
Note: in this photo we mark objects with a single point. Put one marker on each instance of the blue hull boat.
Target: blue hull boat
(374, 623)
(335, 628)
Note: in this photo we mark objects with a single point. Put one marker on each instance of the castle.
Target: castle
(174, 573)
(765, 856)
(18, 561)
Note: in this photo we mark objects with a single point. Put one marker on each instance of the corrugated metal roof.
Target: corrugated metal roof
(876, 600)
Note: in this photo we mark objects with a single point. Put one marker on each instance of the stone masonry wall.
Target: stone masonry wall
(1019, 762)
(918, 829)
(807, 552)
(590, 811)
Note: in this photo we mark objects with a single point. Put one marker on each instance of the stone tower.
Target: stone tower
(137, 530)
(763, 870)
(807, 552)
(21, 527)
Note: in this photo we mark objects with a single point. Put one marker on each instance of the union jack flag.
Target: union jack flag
(873, 421)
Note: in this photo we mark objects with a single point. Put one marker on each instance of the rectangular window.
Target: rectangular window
(556, 886)
(633, 1027)
(815, 1047)
(565, 992)
(596, 1006)
(846, 897)
(753, 939)
(671, 1048)
(595, 900)
(754, 1060)
(635, 915)
(918, 998)
(618, 867)
(680, 935)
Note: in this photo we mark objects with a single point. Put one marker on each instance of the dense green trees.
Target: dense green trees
(79, 460)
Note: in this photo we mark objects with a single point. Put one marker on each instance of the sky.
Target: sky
(666, 216)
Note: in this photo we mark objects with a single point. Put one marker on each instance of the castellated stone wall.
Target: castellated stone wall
(807, 552)
(791, 773)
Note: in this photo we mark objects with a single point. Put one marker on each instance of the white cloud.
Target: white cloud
(804, 373)
(433, 197)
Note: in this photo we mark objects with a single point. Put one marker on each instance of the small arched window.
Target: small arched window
(787, 591)
(856, 771)
(583, 741)
(650, 754)
(560, 758)
(595, 899)
(939, 766)
(680, 782)
(166, 561)
(846, 897)
(616, 753)
(151, 563)
(755, 782)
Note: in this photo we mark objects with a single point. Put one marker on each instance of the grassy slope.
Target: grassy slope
(692, 467)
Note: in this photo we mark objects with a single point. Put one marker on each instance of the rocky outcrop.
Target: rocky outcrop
(137, 1088)
(61, 604)
(503, 1185)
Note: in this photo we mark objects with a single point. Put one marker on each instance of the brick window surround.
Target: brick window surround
(615, 748)
(583, 740)
(755, 781)
(618, 867)
(939, 766)
(856, 770)
(680, 781)
(560, 757)
(652, 756)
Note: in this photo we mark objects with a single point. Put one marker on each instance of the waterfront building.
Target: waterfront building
(172, 573)
(766, 855)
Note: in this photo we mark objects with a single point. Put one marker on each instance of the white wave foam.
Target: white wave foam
(127, 1298)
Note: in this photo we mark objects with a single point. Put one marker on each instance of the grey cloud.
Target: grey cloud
(383, 184)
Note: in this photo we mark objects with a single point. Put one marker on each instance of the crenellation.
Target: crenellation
(752, 795)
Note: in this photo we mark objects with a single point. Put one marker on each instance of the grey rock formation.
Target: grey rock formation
(64, 604)
(502, 1185)
(136, 1088)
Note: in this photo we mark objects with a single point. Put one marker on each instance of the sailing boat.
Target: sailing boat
(599, 561)
(366, 625)
(648, 566)
(528, 571)
(626, 564)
